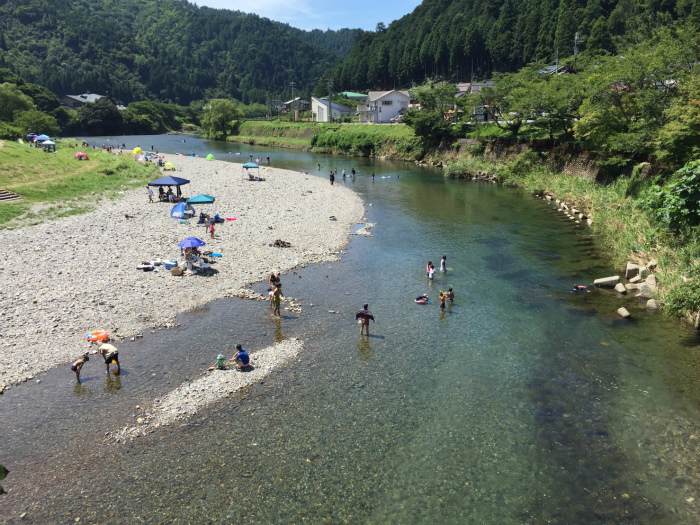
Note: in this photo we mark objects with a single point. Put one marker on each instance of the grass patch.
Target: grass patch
(58, 179)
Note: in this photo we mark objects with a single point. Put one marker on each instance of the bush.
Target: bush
(466, 168)
(677, 204)
(524, 163)
(9, 132)
(684, 298)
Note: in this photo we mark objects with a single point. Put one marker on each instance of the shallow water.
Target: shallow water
(520, 403)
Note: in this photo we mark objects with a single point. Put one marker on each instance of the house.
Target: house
(78, 101)
(296, 104)
(466, 88)
(319, 109)
(353, 96)
(383, 106)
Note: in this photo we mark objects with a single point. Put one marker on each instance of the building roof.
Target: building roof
(86, 97)
(351, 94)
(334, 106)
(376, 95)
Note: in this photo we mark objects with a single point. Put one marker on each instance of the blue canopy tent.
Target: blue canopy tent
(42, 138)
(201, 199)
(169, 180)
(182, 210)
(249, 165)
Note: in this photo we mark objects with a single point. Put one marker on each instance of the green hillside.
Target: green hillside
(463, 39)
(166, 50)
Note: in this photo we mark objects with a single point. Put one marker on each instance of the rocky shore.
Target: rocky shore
(64, 278)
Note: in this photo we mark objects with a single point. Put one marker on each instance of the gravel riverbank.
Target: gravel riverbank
(188, 398)
(64, 278)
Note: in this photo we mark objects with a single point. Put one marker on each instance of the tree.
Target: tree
(219, 118)
(34, 121)
(44, 99)
(429, 123)
(100, 118)
(381, 28)
(12, 99)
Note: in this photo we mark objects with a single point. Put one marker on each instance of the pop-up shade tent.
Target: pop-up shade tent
(249, 165)
(210, 157)
(42, 138)
(182, 211)
(201, 199)
(169, 180)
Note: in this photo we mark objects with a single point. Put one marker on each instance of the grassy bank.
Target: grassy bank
(56, 185)
(361, 140)
(623, 222)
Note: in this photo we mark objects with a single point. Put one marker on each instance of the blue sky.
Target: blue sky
(318, 14)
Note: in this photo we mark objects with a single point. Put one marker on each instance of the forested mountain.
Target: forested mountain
(161, 49)
(460, 40)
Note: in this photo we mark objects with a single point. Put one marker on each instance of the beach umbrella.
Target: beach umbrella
(191, 242)
(201, 199)
(210, 157)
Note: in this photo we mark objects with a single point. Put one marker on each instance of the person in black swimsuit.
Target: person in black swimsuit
(77, 366)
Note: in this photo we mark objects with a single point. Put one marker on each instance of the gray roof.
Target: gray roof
(336, 107)
(86, 97)
(376, 95)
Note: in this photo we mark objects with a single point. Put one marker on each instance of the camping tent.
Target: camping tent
(81, 156)
(182, 211)
(169, 166)
(210, 157)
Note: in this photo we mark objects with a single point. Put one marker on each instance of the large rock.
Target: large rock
(651, 265)
(631, 270)
(622, 312)
(651, 280)
(635, 279)
(620, 288)
(631, 286)
(607, 282)
(645, 291)
(652, 304)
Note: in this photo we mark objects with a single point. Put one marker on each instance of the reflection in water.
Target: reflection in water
(364, 349)
(112, 384)
(279, 335)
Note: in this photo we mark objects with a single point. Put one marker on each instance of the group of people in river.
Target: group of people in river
(430, 273)
(334, 172)
(108, 352)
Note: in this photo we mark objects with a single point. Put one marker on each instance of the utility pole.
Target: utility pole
(329, 83)
(292, 83)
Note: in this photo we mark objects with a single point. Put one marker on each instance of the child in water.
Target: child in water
(431, 272)
(77, 366)
(580, 288)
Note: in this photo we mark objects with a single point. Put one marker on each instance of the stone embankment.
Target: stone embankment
(640, 282)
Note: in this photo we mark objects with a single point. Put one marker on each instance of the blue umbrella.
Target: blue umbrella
(192, 242)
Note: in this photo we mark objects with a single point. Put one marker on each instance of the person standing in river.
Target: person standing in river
(443, 264)
(364, 316)
(332, 178)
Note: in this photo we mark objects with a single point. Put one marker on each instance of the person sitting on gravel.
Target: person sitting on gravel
(111, 355)
(220, 362)
(77, 366)
(242, 359)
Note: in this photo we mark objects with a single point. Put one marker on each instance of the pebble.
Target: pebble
(86, 279)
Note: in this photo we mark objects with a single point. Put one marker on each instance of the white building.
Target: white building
(319, 108)
(383, 106)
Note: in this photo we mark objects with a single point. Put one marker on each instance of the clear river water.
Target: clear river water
(521, 403)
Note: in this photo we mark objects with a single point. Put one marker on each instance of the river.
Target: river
(520, 403)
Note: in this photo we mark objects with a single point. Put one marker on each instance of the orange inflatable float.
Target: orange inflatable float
(97, 335)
